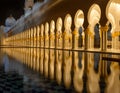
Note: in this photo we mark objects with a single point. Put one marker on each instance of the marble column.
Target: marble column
(104, 38)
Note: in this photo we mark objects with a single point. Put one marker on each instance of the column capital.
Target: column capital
(116, 33)
(104, 28)
(89, 32)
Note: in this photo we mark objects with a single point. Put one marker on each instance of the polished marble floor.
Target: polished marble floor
(31, 70)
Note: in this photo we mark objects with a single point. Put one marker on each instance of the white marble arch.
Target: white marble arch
(79, 19)
(113, 16)
(78, 22)
(94, 15)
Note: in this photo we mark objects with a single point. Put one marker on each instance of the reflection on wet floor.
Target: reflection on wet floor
(10, 82)
(36, 70)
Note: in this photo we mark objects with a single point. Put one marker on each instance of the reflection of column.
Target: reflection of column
(59, 60)
(46, 61)
(38, 59)
(104, 38)
(93, 77)
(41, 60)
(113, 81)
(78, 71)
(103, 66)
(67, 68)
(51, 64)
(31, 60)
(34, 58)
(29, 57)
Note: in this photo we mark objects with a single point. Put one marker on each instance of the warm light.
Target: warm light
(68, 22)
(94, 15)
(113, 13)
(46, 28)
(52, 26)
(59, 24)
(79, 19)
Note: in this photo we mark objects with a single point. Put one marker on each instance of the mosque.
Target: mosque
(98, 23)
(71, 42)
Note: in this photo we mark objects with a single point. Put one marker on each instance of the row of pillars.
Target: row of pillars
(52, 36)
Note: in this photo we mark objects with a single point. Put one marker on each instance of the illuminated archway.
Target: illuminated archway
(78, 33)
(78, 37)
(113, 15)
(94, 15)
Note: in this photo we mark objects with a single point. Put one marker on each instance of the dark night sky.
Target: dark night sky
(14, 7)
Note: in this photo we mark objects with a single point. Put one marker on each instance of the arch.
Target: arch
(112, 21)
(52, 26)
(68, 22)
(42, 29)
(59, 24)
(113, 13)
(79, 19)
(78, 22)
(46, 28)
(94, 15)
